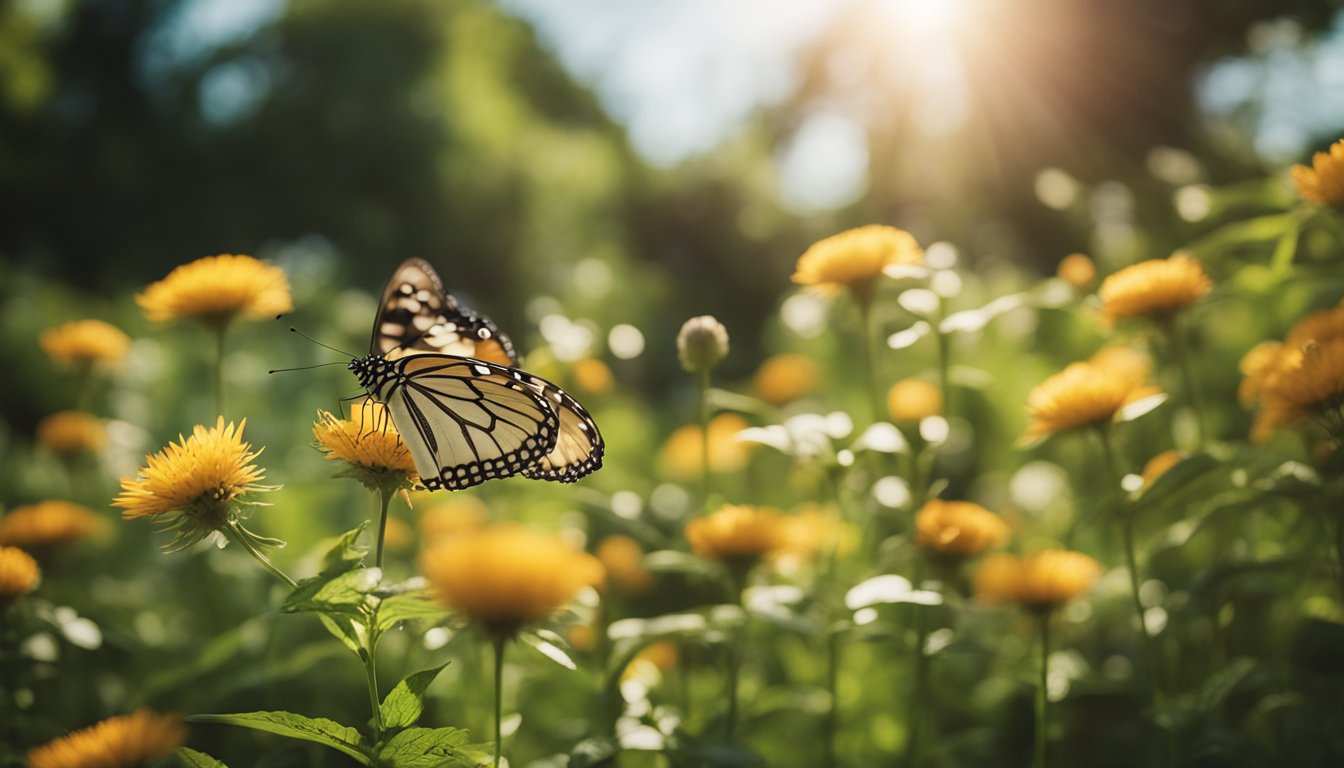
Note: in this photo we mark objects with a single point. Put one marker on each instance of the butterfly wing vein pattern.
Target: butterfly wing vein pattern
(465, 412)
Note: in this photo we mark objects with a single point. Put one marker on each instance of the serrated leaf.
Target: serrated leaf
(346, 593)
(424, 748)
(315, 729)
(346, 553)
(407, 606)
(406, 702)
(193, 759)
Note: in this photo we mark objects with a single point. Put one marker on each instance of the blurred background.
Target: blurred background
(590, 174)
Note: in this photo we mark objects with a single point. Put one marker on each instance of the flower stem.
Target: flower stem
(944, 359)
(829, 725)
(702, 413)
(1042, 692)
(918, 691)
(221, 329)
(869, 356)
(733, 668)
(386, 494)
(498, 642)
(240, 538)
(371, 677)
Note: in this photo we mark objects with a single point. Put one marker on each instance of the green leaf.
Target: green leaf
(549, 644)
(345, 630)
(1176, 479)
(424, 748)
(319, 730)
(407, 606)
(403, 705)
(1285, 249)
(345, 594)
(594, 752)
(346, 554)
(193, 759)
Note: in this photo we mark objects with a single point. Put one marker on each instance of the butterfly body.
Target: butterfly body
(465, 418)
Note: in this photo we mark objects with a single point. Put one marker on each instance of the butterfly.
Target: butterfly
(449, 377)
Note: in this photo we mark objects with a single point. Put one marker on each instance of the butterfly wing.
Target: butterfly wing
(578, 445)
(418, 315)
(467, 421)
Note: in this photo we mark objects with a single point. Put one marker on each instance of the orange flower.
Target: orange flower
(85, 343)
(855, 258)
(127, 741)
(623, 559)
(18, 575)
(455, 515)
(736, 534)
(1039, 582)
(71, 433)
(1077, 270)
(1308, 384)
(593, 376)
(1087, 393)
(506, 576)
(46, 524)
(369, 443)
(959, 528)
(1323, 182)
(1158, 288)
(913, 400)
(217, 289)
(784, 378)
(681, 454)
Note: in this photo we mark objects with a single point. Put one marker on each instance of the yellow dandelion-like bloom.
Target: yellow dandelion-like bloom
(505, 576)
(18, 575)
(913, 400)
(958, 528)
(49, 523)
(736, 535)
(456, 515)
(1040, 582)
(855, 258)
(1086, 394)
(369, 443)
(680, 456)
(1323, 182)
(593, 376)
(85, 343)
(784, 378)
(1257, 367)
(71, 433)
(195, 485)
(1159, 464)
(217, 289)
(623, 559)
(126, 741)
(1307, 385)
(1077, 270)
(1157, 288)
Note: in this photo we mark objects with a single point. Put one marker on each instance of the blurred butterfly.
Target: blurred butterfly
(467, 413)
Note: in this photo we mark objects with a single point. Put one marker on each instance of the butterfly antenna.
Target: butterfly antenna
(305, 367)
(320, 344)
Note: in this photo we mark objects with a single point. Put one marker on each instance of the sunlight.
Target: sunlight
(931, 21)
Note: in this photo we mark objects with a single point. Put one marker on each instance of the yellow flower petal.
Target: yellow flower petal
(218, 288)
(126, 741)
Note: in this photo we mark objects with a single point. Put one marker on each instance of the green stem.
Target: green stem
(1179, 349)
(733, 668)
(1043, 693)
(869, 357)
(944, 359)
(386, 494)
(371, 677)
(919, 692)
(243, 540)
(221, 329)
(702, 412)
(499, 643)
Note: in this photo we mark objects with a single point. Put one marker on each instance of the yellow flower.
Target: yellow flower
(593, 376)
(70, 433)
(1077, 270)
(959, 528)
(85, 343)
(126, 741)
(623, 559)
(1257, 366)
(46, 524)
(369, 443)
(1308, 384)
(809, 532)
(736, 535)
(1087, 393)
(1158, 466)
(1040, 582)
(506, 576)
(680, 456)
(456, 515)
(913, 400)
(1157, 288)
(196, 484)
(217, 289)
(1322, 325)
(1323, 182)
(785, 378)
(855, 258)
(18, 575)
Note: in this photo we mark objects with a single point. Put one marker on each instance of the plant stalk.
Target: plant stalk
(371, 677)
(831, 722)
(221, 329)
(1042, 692)
(241, 539)
(1180, 350)
(386, 496)
(498, 643)
(702, 413)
